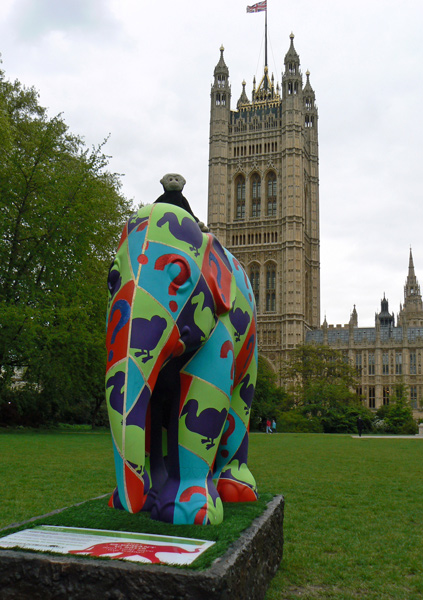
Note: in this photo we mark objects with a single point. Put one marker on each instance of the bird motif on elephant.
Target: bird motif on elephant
(186, 231)
(208, 424)
(146, 334)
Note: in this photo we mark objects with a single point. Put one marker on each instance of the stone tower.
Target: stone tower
(411, 312)
(263, 200)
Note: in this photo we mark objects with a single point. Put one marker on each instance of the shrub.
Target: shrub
(398, 418)
(343, 419)
(294, 422)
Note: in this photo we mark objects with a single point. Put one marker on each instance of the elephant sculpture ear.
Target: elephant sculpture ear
(217, 272)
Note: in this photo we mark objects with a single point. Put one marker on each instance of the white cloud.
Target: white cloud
(141, 71)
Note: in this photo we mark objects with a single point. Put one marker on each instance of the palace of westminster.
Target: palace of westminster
(263, 205)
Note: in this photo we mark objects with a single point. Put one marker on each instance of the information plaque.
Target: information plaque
(123, 545)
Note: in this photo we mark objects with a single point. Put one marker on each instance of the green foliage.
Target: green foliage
(397, 416)
(269, 399)
(295, 422)
(321, 382)
(60, 216)
(315, 363)
(321, 396)
(343, 419)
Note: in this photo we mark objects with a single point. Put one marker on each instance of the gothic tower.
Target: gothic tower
(263, 200)
(411, 312)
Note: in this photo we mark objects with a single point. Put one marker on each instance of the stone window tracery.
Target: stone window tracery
(255, 195)
(271, 288)
(271, 195)
(255, 282)
(385, 363)
(371, 363)
(413, 369)
(240, 197)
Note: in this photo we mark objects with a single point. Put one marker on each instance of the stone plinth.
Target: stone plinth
(244, 572)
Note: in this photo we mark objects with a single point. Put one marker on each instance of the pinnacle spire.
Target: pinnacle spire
(307, 87)
(411, 265)
(243, 99)
(411, 312)
(411, 287)
(221, 65)
(292, 53)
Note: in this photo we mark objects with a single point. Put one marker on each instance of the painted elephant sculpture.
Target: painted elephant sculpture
(181, 370)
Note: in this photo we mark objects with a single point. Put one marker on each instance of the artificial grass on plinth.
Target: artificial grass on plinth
(96, 514)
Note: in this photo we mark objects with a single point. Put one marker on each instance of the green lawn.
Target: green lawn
(40, 472)
(353, 514)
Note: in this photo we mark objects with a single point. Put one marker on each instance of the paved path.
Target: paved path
(390, 437)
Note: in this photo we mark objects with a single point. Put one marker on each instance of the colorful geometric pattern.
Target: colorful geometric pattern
(181, 370)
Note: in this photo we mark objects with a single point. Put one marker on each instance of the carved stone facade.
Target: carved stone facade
(263, 198)
(384, 355)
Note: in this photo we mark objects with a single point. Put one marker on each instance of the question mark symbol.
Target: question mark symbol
(125, 312)
(224, 351)
(179, 279)
(224, 440)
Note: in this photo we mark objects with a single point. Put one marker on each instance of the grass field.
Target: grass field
(353, 515)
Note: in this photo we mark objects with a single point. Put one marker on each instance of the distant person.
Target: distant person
(273, 426)
(360, 426)
(268, 426)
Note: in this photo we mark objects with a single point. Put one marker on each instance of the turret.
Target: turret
(412, 287)
(354, 318)
(385, 318)
(243, 99)
(291, 78)
(309, 100)
(221, 90)
(411, 312)
(219, 140)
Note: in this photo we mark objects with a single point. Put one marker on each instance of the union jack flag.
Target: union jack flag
(259, 7)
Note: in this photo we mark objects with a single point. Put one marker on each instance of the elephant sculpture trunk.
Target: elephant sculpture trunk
(181, 370)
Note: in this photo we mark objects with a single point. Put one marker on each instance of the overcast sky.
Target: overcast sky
(141, 72)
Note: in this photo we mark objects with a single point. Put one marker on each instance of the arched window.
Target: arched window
(255, 195)
(271, 195)
(240, 197)
(271, 288)
(255, 283)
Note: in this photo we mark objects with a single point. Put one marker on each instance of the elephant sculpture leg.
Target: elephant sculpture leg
(164, 411)
(235, 482)
(189, 495)
(128, 445)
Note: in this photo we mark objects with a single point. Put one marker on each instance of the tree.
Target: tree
(318, 375)
(61, 212)
(322, 384)
(398, 414)
(269, 399)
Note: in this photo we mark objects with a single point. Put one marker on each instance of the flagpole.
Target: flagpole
(265, 38)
